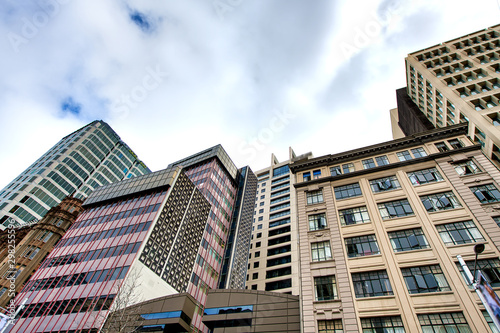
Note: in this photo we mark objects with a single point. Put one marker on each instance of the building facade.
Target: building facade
(380, 228)
(138, 239)
(30, 250)
(273, 263)
(227, 310)
(459, 81)
(234, 267)
(82, 161)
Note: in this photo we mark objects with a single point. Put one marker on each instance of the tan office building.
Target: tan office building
(380, 229)
(273, 263)
(459, 81)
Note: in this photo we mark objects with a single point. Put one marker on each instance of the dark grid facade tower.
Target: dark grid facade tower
(234, 269)
(82, 161)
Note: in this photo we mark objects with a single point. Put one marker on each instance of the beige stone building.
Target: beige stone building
(379, 229)
(273, 263)
(459, 81)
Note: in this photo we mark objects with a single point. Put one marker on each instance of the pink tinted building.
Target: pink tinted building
(167, 229)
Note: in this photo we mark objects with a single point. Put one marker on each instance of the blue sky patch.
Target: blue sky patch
(69, 105)
(141, 21)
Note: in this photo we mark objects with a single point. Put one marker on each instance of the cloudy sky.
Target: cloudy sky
(175, 77)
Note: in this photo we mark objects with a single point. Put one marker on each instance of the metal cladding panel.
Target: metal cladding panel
(132, 186)
(216, 151)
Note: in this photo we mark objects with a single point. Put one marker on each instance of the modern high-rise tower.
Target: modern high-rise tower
(168, 230)
(82, 161)
(274, 254)
(459, 81)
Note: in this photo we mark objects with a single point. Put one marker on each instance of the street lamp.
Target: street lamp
(483, 289)
(478, 248)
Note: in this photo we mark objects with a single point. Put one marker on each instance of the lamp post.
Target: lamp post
(490, 299)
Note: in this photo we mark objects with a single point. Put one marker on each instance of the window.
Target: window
(257, 254)
(486, 193)
(260, 218)
(262, 197)
(407, 240)
(440, 201)
(306, 176)
(348, 167)
(466, 168)
(444, 322)
(44, 236)
(330, 326)
(418, 152)
(392, 324)
(371, 284)
(325, 288)
(455, 144)
(335, 171)
(254, 287)
(347, 191)
(278, 284)
(425, 279)
(425, 176)
(368, 163)
(317, 222)
(316, 174)
(361, 246)
(404, 155)
(261, 211)
(259, 235)
(314, 197)
(497, 220)
(263, 190)
(321, 251)
(258, 244)
(384, 184)
(256, 264)
(441, 146)
(261, 203)
(259, 227)
(393, 209)
(354, 216)
(283, 170)
(459, 233)
(382, 160)
(255, 276)
(30, 252)
(489, 267)
(490, 322)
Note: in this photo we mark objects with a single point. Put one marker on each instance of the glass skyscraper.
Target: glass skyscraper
(168, 230)
(82, 161)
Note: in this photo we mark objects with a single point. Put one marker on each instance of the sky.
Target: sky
(175, 77)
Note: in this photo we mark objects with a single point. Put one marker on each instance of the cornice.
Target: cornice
(389, 166)
(380, 148)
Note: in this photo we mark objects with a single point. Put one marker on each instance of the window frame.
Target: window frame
(425, 279)
(321, 251)
(449, 232)
(364, 283)
(361, 246)
(347, 191)
(357, 214)
(325, 288)
(437, 202)
(414, 239)
(314, 197)
(391, 182)
(317, 224)
(401, 203)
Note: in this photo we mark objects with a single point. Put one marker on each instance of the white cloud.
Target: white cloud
(231, 70)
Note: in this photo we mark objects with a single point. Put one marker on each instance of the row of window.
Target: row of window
(374, 162)
(440, 322)
(97, 303)
(404, 240)
(144, 226)
(117, 216)
(418, 280)
(77, 279)
(106, 252)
